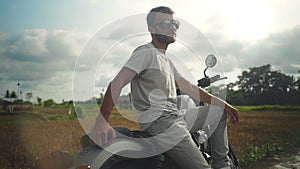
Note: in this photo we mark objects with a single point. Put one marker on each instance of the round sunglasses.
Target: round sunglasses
(167, 23)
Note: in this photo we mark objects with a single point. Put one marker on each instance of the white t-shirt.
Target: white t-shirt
(153, 89)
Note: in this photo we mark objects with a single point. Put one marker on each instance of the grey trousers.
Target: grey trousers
(172, 133)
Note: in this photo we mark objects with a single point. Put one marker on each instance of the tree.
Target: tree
(49, 103)
(13, 95)
(262, 85)
(7, 95)
(234, 96)
(28, 97)
(39, 100)
(18, 84)
(100, 99)
(262, 79)
(296, 91)
(297, 82)
(21, 92)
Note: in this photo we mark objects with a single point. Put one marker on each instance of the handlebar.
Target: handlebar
(215, 78)
(206, 81)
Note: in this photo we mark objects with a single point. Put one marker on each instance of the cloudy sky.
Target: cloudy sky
(50, 47)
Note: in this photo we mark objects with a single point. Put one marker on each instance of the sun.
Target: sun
(247, 20)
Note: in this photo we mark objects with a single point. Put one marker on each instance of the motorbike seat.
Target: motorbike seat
(140, 137)
(136, 133)
(120, 133)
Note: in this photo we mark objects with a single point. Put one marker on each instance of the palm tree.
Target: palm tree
(18, 94)
(7, 95)
(21, 95)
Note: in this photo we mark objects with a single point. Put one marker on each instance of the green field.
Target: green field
(25, 135)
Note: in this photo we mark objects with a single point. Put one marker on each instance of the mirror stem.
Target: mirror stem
(205, 72)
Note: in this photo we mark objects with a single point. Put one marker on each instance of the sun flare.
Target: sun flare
(247, 20)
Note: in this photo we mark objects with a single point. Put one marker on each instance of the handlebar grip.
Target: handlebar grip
(204, 82)
(215, 78)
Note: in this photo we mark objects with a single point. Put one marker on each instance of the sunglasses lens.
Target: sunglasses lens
(170, 22)
(176, 23)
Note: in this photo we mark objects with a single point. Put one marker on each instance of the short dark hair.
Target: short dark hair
(160, 9)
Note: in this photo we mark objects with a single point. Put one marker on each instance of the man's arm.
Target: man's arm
(201, 95)
(102, 132)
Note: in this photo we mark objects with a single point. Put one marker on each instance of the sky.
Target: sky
(53, 48)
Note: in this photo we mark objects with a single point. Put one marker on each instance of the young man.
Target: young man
(153, 79)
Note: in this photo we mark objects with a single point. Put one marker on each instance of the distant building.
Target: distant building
(5, 106)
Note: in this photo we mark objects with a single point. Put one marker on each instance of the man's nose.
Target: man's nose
(173, 28)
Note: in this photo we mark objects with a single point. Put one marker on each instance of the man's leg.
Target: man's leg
(214, 122)
(219, 145)
(187, 156)
(172, 135)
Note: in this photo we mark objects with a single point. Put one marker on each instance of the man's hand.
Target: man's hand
(102, 133)
(233, 113)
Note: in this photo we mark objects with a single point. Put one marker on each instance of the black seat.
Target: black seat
(120, 133)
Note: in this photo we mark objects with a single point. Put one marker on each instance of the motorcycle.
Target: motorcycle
(135, 142)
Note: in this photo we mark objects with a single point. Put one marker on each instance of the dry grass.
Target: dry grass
(24, 138)
(261, 133)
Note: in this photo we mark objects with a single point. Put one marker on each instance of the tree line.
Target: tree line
(264, 86)
(13, 98)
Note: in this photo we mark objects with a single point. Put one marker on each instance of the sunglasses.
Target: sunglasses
(167, 23)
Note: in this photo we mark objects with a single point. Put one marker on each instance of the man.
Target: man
(153, 79)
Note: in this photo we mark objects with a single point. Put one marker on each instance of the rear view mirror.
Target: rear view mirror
(210, 61)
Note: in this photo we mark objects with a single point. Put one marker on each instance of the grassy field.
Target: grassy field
(26, 135)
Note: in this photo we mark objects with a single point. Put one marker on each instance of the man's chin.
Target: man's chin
(172, 40)
(164, 39)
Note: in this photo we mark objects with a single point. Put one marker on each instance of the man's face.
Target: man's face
(163, 28)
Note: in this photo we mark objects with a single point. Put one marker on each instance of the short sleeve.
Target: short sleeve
(140, 59)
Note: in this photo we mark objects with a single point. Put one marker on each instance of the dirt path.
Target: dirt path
(283, 160)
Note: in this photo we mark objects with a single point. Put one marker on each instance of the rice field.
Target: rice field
(25, 136)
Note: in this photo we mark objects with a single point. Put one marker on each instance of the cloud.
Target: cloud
(39, 54)
(278, 49)
(281, 50)
(29, 43)
(43, 61)
(39, 57)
